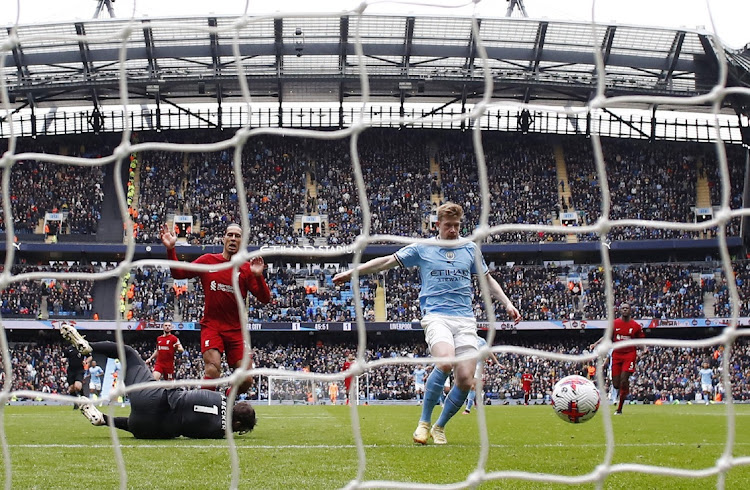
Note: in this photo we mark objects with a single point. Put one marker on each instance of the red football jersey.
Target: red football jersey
(625, 331)
(526, 379)
(165, 347)
(220, 308)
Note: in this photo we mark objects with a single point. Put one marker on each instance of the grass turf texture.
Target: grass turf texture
(313, 447)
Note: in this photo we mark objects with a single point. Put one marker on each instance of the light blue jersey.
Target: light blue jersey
(419, 375)
(446, 276)
(480, 342)
(706, 376)
(96, 374)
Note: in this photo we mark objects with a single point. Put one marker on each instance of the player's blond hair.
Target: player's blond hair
(450, 210)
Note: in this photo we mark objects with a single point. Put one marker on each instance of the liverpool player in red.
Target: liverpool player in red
(526, 379)
(348, 381)
(221, 326)
(166, 345)
(623, 360)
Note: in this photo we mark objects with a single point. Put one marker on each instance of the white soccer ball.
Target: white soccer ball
(575, 399)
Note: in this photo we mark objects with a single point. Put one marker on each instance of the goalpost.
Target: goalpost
(299, 382)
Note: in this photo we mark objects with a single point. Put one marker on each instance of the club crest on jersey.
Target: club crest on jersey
(450, 255)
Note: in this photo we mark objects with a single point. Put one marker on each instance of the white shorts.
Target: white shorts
(458, 331)
(419, 387)
(707, 387)
(95, 386)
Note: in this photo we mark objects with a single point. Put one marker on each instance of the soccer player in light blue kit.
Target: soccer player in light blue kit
(707, 382)
(445, 300)
(419, 375)
(95, 383)
(471, 399)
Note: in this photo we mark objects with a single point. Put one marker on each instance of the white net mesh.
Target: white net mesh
(309, 381)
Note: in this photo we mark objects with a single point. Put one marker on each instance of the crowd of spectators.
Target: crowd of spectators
(711, 171)
(662, 373)
(396, 171)
(65, 297)
(722, 302)
(661, 291)
(38, 187)
(522, 181)
(651, 181)
(161, 193)
(654, 291)
(274, 176)
(153, 295)
(307, 294)
(646, 181)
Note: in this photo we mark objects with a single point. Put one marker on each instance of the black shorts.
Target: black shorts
(74, 376)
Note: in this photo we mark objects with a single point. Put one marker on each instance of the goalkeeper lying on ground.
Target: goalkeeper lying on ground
(162, 413)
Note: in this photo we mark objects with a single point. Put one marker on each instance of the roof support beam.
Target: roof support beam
(626, 123)
(278, 35)
(401, 112)
(408, 38)
(341, 104)
(708, 49)
(24, 76)
(88, 68)
(674, 55)
(181, 109)
(472, 49)
(609, 38)
(343, 43)
(541, 34)
(216, 60)
(440, 108)
(463, 106)
(148, 37)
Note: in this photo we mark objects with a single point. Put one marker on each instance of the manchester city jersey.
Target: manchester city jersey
(446, 276)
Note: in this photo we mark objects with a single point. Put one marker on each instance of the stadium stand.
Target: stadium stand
(663, 373)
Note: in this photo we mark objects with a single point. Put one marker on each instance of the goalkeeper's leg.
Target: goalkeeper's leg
(137, 371)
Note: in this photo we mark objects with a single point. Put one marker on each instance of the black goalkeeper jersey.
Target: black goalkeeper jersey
(199, 414)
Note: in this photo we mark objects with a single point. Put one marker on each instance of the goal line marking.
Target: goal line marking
(367, 446)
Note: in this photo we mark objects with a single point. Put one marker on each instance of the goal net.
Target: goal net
(291, 387)
(289, 390)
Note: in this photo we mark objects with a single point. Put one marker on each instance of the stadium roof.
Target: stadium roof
(313, 59)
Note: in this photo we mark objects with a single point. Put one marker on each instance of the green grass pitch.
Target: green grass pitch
(313, 447)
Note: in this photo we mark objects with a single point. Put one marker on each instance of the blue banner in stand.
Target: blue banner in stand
(651, 323)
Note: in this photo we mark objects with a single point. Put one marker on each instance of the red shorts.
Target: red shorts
(348, 383)
(167, 372)
(526, 388)
(225, 341)
(623, 363)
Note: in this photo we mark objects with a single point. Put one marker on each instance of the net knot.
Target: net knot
(475, 478)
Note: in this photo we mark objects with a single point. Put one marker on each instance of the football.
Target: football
(575, 399)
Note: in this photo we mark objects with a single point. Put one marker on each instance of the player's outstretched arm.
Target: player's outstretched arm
(168, 238)
(371, 266)
(257, 264)
(497, 292)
